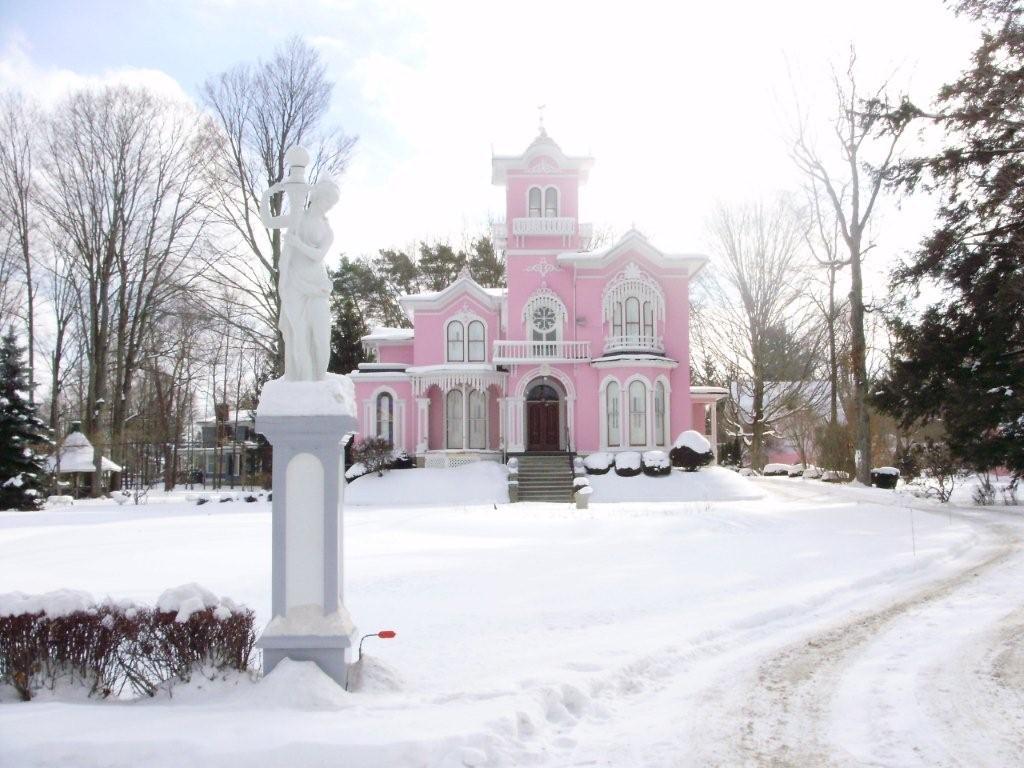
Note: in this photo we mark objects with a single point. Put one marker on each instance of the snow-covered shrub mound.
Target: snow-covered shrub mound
(812, 473)
(776, 470)
(481, 482)
(835, 476)
(693, 440)
(65, 640)
(656, 463)
(748, 472)
(598, 463)
(885, 477)
(356, 471)
(580, 482)
(298, 685)
(796, 470)
(628, 463)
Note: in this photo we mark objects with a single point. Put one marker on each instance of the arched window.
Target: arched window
(453, 419)
(386, 417)
(633, 317)
(544, 316)
(659, 413)
(648, 320)
(637, 413)
(456, 345)
(617, 319)
(534, 196)
(550, 202)
(477, 345)
(611, 405)
(477, 419)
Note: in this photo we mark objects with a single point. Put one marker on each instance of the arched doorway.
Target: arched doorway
(543, 416)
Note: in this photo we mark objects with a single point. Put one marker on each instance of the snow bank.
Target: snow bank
(371, 675)
(297, 685)
(710, 484)
(334, 396)
(482, 482)
(693, 440)
(60, 602)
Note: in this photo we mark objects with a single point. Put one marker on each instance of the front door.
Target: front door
(542, 419)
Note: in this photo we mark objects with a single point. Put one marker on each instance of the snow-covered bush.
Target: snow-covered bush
(796, 470)
(64, 639)
(628, 463)
(775, 470)
(835, 476)
(374, 453)
(656, 463)
(598, 463)
(885, 477)
(691, 451)
(748, 472)
(812, 473)
(580, 482)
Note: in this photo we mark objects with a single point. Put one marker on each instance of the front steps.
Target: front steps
(545, 477)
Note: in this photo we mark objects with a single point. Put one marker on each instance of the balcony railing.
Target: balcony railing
(512, 352)
(634, 342)
(544, 225)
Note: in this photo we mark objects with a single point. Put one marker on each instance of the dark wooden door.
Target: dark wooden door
(542, 426)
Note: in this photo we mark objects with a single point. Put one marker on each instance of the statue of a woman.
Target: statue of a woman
(303, 283)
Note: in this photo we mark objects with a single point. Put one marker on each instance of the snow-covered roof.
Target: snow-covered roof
(463, 284)
(76, 455)
(717, 392)
(634, 240)
(381, 333)
(541, 147)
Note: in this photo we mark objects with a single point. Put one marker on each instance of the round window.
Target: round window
(544, 318)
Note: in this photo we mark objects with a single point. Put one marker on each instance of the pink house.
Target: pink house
(586, 350)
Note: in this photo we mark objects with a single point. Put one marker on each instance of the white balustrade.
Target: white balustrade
(506, 351)
(634, 343)
(544, 225)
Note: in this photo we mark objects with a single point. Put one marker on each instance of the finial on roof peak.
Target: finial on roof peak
(540, 125)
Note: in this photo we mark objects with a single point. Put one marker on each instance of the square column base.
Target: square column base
(329, 652)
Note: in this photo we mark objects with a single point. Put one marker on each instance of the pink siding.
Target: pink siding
(395, 353)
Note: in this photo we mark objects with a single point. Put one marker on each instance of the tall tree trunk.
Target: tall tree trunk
(858, 351)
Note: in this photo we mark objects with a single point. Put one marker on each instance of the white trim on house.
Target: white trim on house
(397, 416)
(633, 241)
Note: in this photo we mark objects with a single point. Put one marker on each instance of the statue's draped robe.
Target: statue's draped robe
(305, 290)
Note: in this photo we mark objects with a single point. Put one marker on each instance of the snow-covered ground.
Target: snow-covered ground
(813, 625)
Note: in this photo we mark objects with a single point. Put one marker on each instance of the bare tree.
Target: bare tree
(852, 187)
(765, 334)
(124, 187)
(261, 111)
(61, 289)
(20, 122)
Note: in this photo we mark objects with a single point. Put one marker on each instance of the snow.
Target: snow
(803, 620)
(57, 603)
(693, 440)
(310, 620)
(886, 471)
(15, 481)
(334, 396)
(77, 455)
(656, 459)
(382, 333)
(480, 482)
(782, 469)
(627, 460)
(598, 461)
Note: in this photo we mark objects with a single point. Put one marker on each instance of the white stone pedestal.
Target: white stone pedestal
(306, 423)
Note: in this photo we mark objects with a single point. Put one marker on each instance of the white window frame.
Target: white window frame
(611, 413)
(470, 342)
(646, 389)
(558, 202)
(454, 415)
(379, 422)
(529, 203)
(461, 341)
(477, 424)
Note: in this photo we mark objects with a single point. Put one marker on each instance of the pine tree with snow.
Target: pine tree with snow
(22, 474)
(961, 361)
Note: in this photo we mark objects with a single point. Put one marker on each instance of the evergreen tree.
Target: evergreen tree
(22, 474)
(962, 361)
(440, 265)
(355, 292)
(485, 265)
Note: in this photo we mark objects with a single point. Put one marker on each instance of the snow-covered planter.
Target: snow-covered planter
(776, 470)
(628, 463)
(656, 463)
(691, 451)
(598, 463)
(66, 641)
(583, 494)
(885, 477)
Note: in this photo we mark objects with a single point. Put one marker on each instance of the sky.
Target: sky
(684, 105)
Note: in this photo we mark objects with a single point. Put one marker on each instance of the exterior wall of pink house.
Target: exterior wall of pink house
(585, 350)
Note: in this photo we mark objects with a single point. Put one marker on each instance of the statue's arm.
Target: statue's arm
(312, 252)
(269, 220)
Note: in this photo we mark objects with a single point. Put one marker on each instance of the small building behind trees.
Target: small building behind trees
(74, 463)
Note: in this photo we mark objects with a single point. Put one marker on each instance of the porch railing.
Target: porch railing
(511, 352)
(633, 342)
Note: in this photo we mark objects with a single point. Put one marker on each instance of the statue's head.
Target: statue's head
(323, 196)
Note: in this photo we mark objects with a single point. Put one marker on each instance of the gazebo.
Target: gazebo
(76, 458)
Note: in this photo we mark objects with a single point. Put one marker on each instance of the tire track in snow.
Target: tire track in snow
(783, 718)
